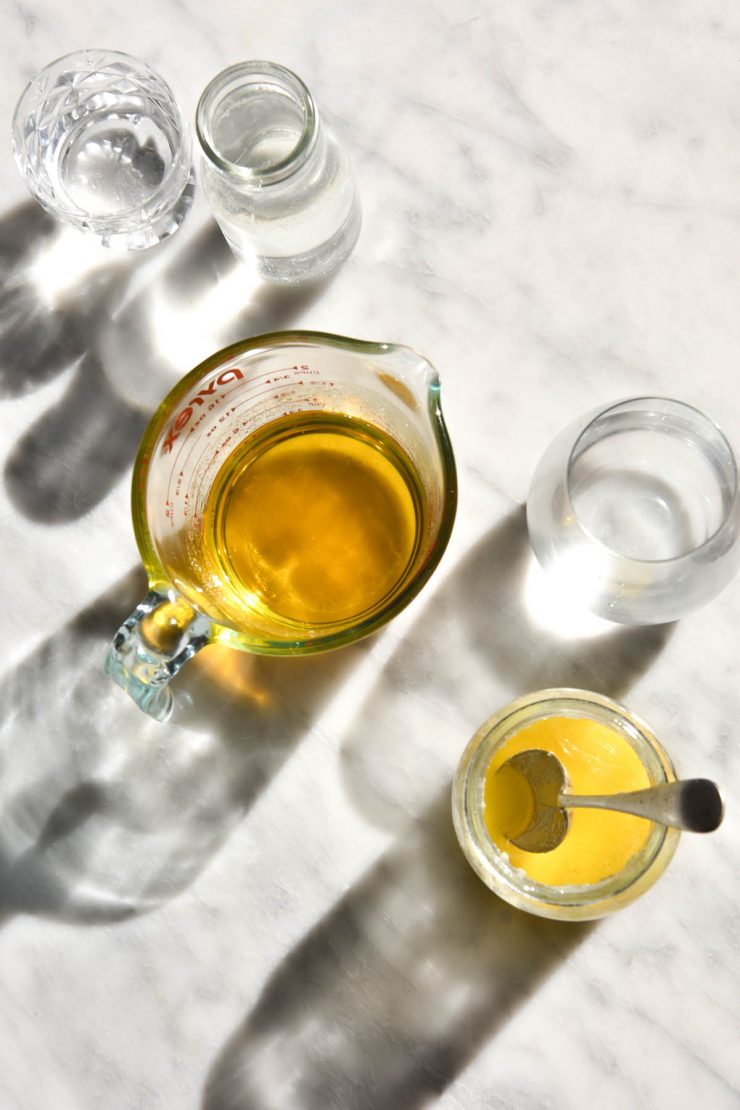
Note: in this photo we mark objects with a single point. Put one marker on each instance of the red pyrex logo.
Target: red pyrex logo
(200, 398)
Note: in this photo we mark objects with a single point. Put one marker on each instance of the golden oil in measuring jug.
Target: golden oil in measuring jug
(316, 519)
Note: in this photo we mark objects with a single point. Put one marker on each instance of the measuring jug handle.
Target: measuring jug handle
(151, 646)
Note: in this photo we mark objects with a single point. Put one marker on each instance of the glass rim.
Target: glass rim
(91, 52)
(690, 553)
(248, 71)
(569, 904)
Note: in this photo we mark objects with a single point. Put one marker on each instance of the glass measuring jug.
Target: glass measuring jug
(291, 494)
(275, 174)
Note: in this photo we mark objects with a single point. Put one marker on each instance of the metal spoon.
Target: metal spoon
(694, 804)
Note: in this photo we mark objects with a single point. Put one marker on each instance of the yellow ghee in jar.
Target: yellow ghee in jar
(597, 760)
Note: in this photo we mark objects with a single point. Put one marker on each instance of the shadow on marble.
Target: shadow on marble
(55, 294)
(125, 328)
(203, 301)
(107, 814)
(488, 594)
(37, 342)
(475, 646)
(388, 998)
(393, 993)
(76, 451)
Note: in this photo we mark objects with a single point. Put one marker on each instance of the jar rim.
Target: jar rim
(229, 81)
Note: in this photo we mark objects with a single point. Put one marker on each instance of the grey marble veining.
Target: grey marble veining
(262, 905)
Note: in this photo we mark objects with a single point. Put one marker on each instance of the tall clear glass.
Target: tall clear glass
(276, 177)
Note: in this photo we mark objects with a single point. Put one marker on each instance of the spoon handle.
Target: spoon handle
(694, 804)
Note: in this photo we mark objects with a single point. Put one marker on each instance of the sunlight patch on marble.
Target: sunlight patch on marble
(558, 599)
(180, 332)
(66, 261)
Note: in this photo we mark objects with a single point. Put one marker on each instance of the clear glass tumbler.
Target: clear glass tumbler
(633, 511)
(99, 139)
(276, 178)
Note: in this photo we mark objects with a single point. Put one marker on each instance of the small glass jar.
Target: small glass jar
(563, 903)
(276, 178)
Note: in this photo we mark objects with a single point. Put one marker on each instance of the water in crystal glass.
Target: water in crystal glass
(99, 139)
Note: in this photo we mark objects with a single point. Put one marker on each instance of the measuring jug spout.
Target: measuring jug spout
(151, 646)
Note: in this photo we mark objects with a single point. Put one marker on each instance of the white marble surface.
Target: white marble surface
(261, 905)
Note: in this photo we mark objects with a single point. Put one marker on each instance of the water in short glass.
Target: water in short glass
(277, 180)
(646, 488)
(99, 139)
(635, 511)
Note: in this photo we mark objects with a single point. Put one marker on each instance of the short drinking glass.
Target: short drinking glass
(633, 511)
(274, 174)
(99, 139)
